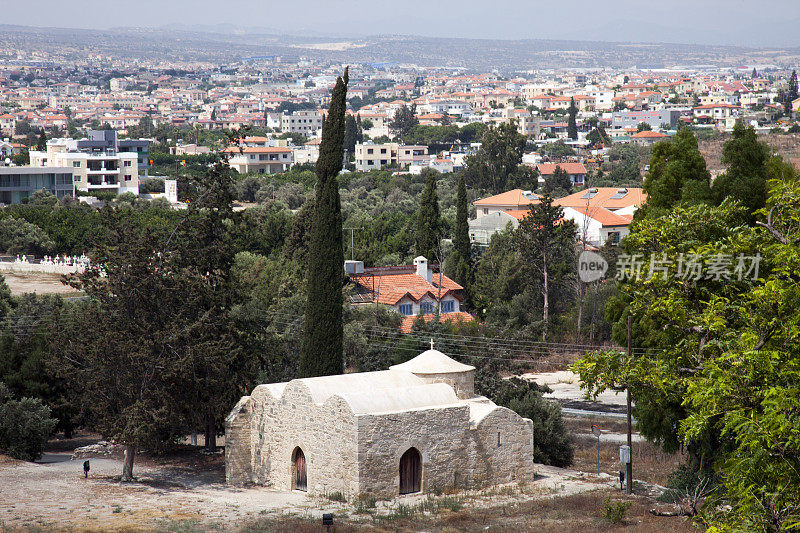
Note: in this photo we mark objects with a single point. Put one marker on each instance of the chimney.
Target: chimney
(422, 268)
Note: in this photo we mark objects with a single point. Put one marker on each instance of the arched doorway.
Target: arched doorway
(299, 480)
(410, 471)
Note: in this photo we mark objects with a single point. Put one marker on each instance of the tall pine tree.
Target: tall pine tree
(429, 222)
(321, 354)
(572, 125)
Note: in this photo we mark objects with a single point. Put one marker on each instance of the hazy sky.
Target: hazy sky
(746, 22)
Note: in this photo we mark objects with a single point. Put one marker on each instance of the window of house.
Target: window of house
(485, 211)
(127, 177)
(449, 306)
(406, 309)
(76, 164)
(127, 163)
(427, 308)
(369, 150)
(383, 150)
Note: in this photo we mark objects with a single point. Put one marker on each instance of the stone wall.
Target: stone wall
(502, 450)
(463, 383)
(326, 434)
(361, 454)
(238, 469)
(440, 434)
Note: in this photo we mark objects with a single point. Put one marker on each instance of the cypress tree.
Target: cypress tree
(429, 223)
(322, 351)
(754, 75)
(572, 125)
(461, 259)
(461, 239)
(41, 145)
(350, 135)
(791, 93)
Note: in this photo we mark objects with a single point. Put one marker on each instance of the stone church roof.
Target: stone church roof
(323, 387)
(433, 362)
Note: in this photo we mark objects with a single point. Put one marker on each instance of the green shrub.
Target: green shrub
(336, 496)
(18, 236)
(363, 503)
(551, 442)
(25, 426)
(614, 511)
(404, 511)
(686, 480)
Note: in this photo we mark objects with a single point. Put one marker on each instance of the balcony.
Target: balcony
(103, 181)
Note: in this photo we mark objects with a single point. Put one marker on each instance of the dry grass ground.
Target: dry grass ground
(38, 282)
(580, 512)
(650, 464)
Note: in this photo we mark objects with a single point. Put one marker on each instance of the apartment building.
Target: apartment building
(106, 141)
(631, 119)
(95, 165)
(307, 122)
(375, 156)
(18, 183)
(260, 159)
(370, 156)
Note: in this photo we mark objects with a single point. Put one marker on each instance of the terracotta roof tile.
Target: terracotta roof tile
(461, 316)
(635, 196)
(392, 287)
(545, 169)
(515, 197)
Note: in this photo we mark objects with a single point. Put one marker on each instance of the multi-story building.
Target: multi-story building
(370, 156)
(260, 159)
(375, 156)
(631, 119)
(307, 122)
(96, 165)
(411, 290)
(106, 141)
(18, 183)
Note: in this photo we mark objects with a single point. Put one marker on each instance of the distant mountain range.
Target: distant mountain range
(230, 43)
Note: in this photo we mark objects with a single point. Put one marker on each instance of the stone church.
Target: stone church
(417, 427)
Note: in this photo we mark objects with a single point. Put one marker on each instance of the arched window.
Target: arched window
(410, 471)
(299, 481)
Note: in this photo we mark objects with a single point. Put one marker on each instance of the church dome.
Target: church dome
(433, 362)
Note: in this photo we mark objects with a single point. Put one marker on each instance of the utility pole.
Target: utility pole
(352, 241)
(629, 464)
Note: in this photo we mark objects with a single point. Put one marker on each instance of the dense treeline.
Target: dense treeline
(214, 299)
(715, 370)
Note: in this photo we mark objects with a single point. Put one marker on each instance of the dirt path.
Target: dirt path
(56, 494)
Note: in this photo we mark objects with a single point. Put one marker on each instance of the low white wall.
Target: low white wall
(52, 268)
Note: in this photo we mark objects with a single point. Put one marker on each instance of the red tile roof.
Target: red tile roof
(461, 316)
(649, 135)
(393, 285)
(545, 169)
(635, 196)
(602, 215)
(515, 198)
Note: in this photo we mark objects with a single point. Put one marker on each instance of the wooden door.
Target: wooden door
(410, 471)
(300, 481)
